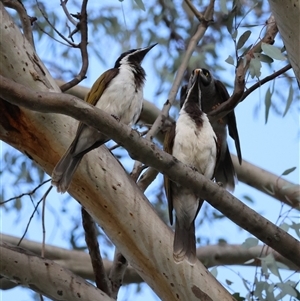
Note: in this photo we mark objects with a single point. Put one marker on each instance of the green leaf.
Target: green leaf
(243, 39)
(263, 58)
(287, 289)
(288, 171)
(250, 242)
(271, 264)
(140, 4)
(230, 60)
(234, 34)
(248, 198)
(254, 68)
(289, 100)
(267, 104)
(272, 52)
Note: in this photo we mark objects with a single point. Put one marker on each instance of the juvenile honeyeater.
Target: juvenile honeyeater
(213, 94)
(192, 141)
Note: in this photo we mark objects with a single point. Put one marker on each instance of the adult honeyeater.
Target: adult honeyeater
(119, 92)
(213, 93)
(193, 142)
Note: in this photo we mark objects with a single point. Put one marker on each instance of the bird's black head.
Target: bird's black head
(205, 77)
(133, 56)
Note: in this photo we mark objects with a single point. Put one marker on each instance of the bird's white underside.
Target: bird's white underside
(198, 150)
(120, 97)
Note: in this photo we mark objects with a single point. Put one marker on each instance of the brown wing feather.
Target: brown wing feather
(168, 147)
(231, 121)
(97, 90)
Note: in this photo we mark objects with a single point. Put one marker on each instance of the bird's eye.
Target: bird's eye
(206, 73)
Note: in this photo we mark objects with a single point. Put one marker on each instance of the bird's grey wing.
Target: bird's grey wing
(168, 146)
(231, 120)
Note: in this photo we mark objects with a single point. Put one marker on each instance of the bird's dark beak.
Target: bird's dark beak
(194, 78)
(140, 54)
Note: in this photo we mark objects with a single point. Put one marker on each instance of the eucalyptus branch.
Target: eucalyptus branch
(117, 272)
(63, 4)
(195, 11)
(83, 28)
(53, 27)
(147, 152)
(46, 276)
(79, 262)
(265, 80)
(91, 240)
(243, 65)
(24, 18)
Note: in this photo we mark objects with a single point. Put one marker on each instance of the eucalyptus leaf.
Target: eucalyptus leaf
(272, 52)
(140, 4)
(250, 242)
(230, 60)
(289, 100)
(288, 171)
(268, 104)
(243, 39)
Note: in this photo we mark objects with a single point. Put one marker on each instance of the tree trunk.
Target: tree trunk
(287, 14)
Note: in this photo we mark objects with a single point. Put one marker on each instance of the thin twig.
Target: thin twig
(25, 19)
(26, 193)
(117, 272)
(52, 26)
(43, 220)
(64, 7)
(83, 28)
(265, 80)
(195, 11)
(91, 239)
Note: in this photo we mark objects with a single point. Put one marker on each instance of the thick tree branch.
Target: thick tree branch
(213, 255)
(247, 173)
(145, 151)
(45, 277)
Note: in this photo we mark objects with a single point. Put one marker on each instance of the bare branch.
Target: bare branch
(265, 80)
(63, 4)
(43, 275)
(79, 262)
(145, 151)
(83, 28)
(195, 11)
(116, 275)
(91, 239)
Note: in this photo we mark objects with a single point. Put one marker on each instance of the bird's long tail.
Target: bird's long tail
(184, 246)
(64, 170)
